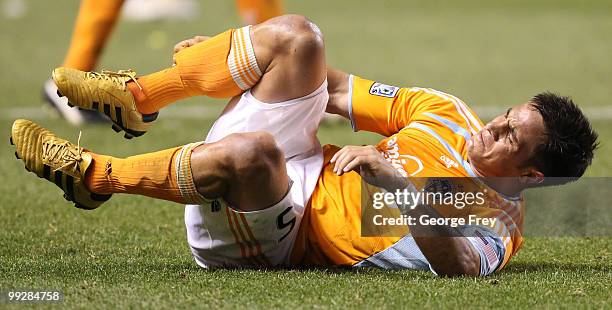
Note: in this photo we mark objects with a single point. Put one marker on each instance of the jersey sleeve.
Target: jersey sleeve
(490, 248)
(494, 245)
(385, 109)
(495, 241)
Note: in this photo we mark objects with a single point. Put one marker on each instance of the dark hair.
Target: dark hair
(570, 139)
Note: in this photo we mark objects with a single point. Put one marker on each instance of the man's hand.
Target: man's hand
(187, 43)
(448, 254)
(370, 164)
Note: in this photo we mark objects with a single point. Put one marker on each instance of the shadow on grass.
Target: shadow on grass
(550, 267)
(183, 268)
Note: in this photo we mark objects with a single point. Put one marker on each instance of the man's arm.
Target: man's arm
(376, 107)
(338, 89)
(447, 254)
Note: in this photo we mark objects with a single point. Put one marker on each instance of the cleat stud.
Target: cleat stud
(135, 133)
(80, 206)
(70, 105)
(59, 94)
(11, 140)
(100, 197)
(128, 136)
(147, 118)
(116, 128)
(17, 155)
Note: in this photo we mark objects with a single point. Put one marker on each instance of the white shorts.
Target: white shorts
(221, 236)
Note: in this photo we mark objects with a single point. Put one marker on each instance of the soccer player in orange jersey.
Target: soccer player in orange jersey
(93, 26)
(261, 191)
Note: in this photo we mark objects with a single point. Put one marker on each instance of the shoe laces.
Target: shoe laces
(120, 77)
(63, 154)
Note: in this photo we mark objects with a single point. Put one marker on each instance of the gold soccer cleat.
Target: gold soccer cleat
(56, 160)
(107, 93)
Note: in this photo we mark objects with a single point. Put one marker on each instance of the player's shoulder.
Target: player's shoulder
(444, 113)
(444, 104)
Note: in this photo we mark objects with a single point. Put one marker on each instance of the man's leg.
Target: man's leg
(247, 170)
(93, 25)
(282, 59)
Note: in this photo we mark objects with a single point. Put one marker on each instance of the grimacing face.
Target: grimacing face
(504, 145)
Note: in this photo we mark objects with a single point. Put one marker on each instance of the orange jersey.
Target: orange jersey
(426, 135)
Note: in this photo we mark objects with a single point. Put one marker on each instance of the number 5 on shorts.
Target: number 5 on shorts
(281, 224)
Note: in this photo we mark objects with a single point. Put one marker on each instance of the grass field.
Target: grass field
(132, 253)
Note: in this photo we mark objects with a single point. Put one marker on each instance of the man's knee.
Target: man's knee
(296, 34)
(238, 159)
(252, 155)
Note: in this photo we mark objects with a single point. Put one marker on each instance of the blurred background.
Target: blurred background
(491, 54)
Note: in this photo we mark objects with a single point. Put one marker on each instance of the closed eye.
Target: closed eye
(512, 131)
(511, 134)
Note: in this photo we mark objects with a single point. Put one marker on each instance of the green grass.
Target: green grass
(132, 252)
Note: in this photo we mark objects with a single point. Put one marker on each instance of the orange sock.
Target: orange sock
(164, 175)
(258, 11)
(221, 67)
(94, 23)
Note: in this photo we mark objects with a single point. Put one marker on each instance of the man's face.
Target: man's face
(504, 145)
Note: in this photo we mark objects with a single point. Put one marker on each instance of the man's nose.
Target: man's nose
(496, 128)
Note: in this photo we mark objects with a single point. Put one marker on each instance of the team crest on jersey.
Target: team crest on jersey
(383, 90)
(439, 185)
(446, 185)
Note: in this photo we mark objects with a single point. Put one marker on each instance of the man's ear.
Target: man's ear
(531, 177)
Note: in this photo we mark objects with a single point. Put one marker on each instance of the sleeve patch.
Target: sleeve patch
(489, 246)
(383, 90)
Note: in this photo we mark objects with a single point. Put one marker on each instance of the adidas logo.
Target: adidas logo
(449, 162)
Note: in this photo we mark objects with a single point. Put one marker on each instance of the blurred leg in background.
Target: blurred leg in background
(254, 12)
(92, 27)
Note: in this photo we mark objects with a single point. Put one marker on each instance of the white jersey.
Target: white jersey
(294, 125)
